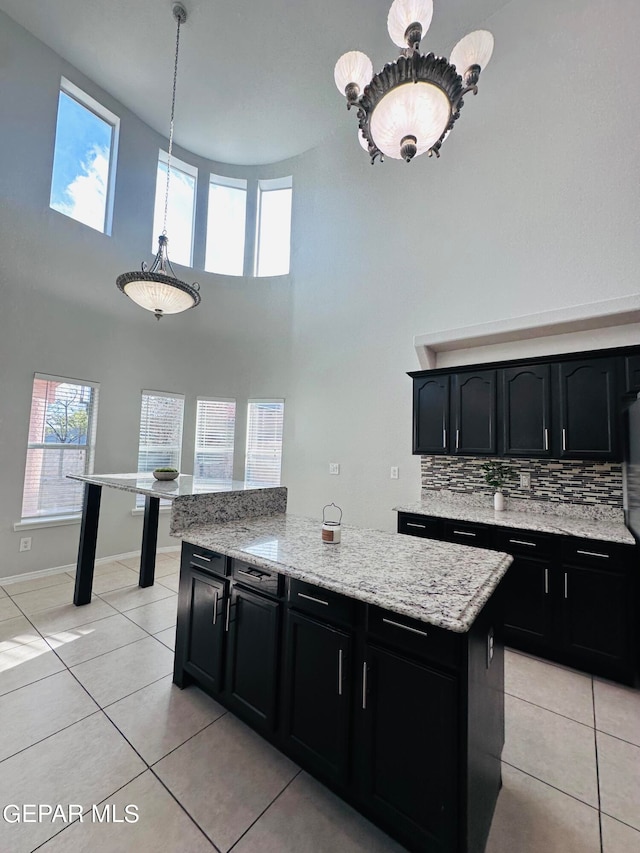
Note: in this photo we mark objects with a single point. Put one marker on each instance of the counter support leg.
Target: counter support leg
(149, 540)
(87, 547)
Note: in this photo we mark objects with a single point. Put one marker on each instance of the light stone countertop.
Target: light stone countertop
(439, 583)
(604, 529)
(183, 485)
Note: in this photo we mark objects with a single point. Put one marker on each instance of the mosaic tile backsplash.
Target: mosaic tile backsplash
(571, 481)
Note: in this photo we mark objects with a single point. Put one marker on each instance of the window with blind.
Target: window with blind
(160, 443)
(215, 429)
(62, 430)
(264, 442)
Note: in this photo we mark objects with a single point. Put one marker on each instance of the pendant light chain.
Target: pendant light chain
(179, 18)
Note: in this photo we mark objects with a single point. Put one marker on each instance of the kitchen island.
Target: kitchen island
(376, 664)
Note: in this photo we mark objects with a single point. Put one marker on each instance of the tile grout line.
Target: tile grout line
(266, 809)
(549, 710)
(549, 785)
(595, 746)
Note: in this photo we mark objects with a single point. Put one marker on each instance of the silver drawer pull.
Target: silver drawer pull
(593, 554)
(254, 577)
(566, 586)
(464, 533)
(546, 439)
(405, 627)
(339, 672)
(546, 581)
(457, 439)
(364, 686)
(522, 542)
(311, 598)
(413, 524)
(215, 608)
(226, 624)
(202, 557)
(564, 438)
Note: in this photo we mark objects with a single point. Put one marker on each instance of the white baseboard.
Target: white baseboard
(43, 573)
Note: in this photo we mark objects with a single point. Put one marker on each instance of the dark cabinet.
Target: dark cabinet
(207, 612)
(410, 723)
(632, 374)
(431, 414)
(528, 608)
(526, 410)
(474, 412)
(588, 409)
(252, 657)
(318, 695)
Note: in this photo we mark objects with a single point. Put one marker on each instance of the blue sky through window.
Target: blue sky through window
(81, 163)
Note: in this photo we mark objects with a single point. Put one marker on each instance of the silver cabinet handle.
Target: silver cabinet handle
(202, 557)
(464, 533)
(364, 686)
(311, 598)
(215, 607)
(457, 439)
(564, 438)
(522, 542)
(254, 577)
(566, 589)
(593, 554)
(405, 627)
(226, 624)
(413, 524)
(546, 581)
(444, 438)
(339, 672)
(546, 438)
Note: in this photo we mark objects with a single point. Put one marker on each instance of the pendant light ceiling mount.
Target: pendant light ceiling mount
(158, 288)
(410, 107)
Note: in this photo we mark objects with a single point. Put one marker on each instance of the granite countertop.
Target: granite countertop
(605, 529)
(185, 485)
(439, 583)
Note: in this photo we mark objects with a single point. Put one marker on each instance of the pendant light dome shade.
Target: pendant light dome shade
(405, 12)
(418, 110)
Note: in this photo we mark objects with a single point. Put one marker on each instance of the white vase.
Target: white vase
(498, 501)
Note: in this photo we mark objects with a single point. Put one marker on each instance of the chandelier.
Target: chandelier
(158, 288)
(412, 104)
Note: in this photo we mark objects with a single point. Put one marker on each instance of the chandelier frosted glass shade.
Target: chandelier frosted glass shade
(411, 105)
(418, 110)
(475, 49)
(159, 289)
(403, 13)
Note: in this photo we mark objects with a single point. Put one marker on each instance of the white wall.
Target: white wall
(533, 206)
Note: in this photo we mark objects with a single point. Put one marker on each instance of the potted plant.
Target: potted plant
(496, 475)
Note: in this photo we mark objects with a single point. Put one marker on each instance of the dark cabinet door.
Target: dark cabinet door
(528, 604)
(474, 412)
(632, 374)
(526, 410)
(318, 696)
(588, 409)
(207, 619)
(596, 618)
(252, 658)
(409, 768)
(431, 414)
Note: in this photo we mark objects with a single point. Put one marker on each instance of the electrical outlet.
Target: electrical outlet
(334, 467)
(25, 543)
(394, 472)
(525, 480)
(490, 647)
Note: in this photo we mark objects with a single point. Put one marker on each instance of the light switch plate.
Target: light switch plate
(394, 472)
(334, 467)
(525, 480)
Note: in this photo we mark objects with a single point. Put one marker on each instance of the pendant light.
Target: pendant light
(158, 288)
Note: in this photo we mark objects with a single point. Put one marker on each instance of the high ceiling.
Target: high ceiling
(255, 80)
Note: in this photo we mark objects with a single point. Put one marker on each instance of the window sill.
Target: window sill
(52, 521)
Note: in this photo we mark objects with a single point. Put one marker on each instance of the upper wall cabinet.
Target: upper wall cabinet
(474, 412)
(526, 410)
(632, 374)
(431, 414)
(588, 407)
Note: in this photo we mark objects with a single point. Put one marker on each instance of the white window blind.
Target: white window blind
(215, 430)
(160, 444)
(62, 429)
(264, 442)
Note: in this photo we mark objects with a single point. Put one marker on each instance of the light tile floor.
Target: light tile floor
(89, 715)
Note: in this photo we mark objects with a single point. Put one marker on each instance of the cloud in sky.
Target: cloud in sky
(85, 197)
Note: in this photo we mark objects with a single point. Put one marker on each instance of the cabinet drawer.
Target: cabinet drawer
(594, 552)
(328, 606)
(420, 525)
(523, 543)
(467, 534)
(217, 564)
(411, 635)
(264, 580)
